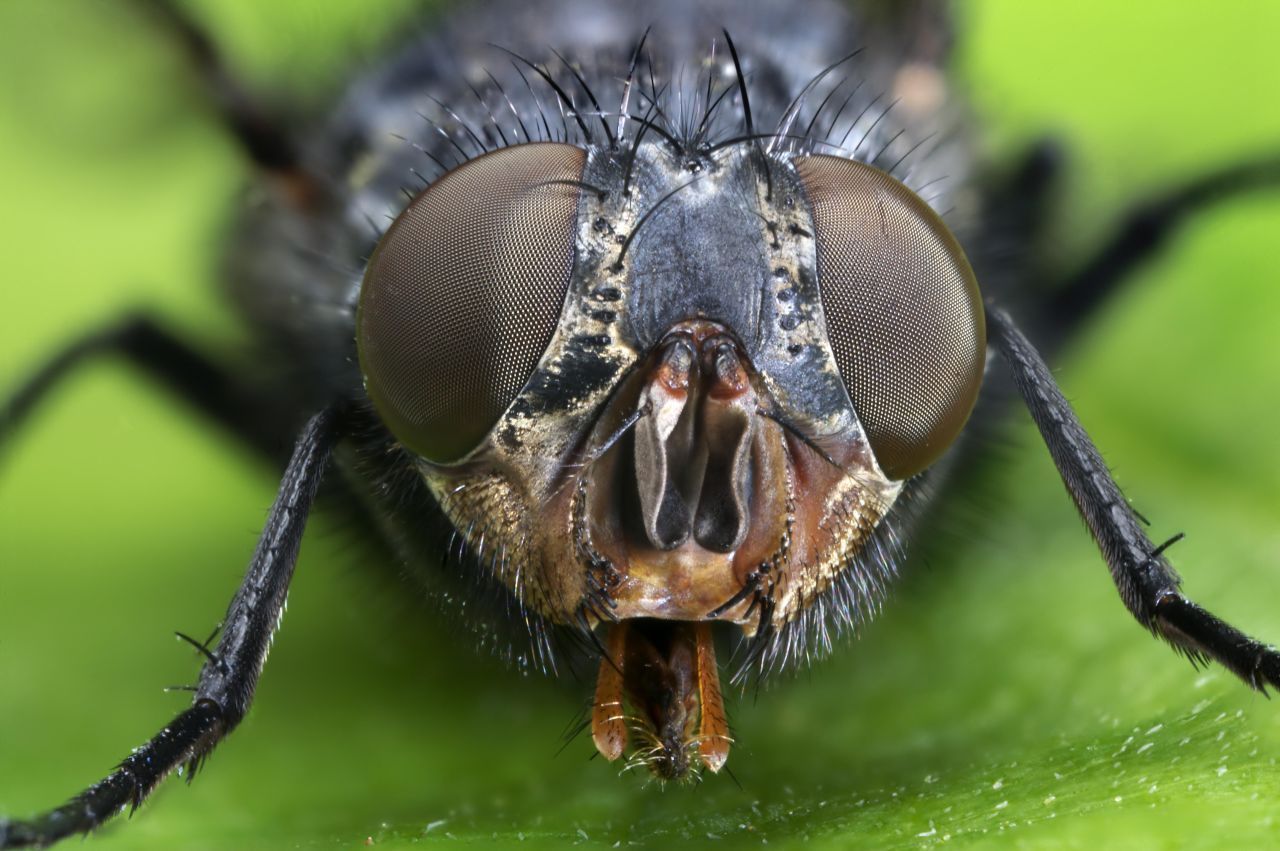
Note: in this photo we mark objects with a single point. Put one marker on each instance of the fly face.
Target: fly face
(734, 359)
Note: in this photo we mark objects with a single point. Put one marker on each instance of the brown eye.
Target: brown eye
(463, 294)
(904, 317)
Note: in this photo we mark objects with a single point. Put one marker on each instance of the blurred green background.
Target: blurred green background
(1005, 699)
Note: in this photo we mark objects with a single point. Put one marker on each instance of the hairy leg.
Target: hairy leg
(1147, 583)
(176, 365)
(230, 674)
(261, 134)
(1140, 236)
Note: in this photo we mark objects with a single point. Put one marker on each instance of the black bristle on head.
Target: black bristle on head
(528, 137)
(565, 99)
(792, 112)
(493, 120)
(582, 84)
(625, 103)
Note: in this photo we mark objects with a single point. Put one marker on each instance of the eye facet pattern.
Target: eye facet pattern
(903, 311)
(463, 294)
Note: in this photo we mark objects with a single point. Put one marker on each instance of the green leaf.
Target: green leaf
(1004, 699)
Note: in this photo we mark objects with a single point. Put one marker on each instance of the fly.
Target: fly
(677, 342)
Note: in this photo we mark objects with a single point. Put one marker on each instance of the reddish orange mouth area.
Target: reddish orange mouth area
(706, 504)
(693, 498)
(658, 693)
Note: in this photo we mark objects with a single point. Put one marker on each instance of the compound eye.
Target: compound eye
(463, 294)
(904, 316)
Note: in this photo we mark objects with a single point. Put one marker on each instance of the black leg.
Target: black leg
(176, 365)
(230, 674)
(1147, 582)
(1019, 203)
(1141, 235)
(263, 138)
